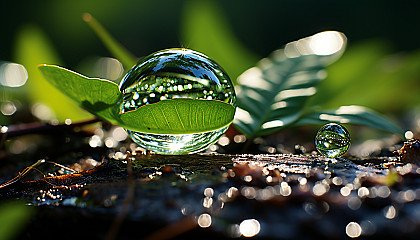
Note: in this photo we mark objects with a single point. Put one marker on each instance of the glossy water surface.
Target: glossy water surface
(332, 140)
(171, 74)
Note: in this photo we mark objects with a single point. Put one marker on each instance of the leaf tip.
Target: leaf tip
(42, 67)
(87, 17)
(45, 66)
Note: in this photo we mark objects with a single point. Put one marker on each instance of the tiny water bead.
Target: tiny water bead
(189, 97)
(332, 140)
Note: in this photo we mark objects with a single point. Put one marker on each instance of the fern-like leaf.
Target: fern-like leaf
(273, 94)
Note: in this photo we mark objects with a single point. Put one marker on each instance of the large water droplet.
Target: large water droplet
(332, 140)
(176, 74)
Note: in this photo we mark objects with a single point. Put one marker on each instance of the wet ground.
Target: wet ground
(100, 193)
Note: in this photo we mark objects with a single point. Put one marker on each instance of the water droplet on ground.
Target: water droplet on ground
(332, 140)
(171, 74)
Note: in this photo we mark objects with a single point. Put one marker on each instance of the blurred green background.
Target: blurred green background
(146, 26)
(380, 68)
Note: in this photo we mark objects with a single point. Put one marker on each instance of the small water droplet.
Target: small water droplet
(171, 74)
(332, 140)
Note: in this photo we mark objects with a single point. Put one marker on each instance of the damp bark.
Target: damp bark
(285, 196)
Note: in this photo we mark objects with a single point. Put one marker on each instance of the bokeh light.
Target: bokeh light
(323, 44)
(12, 74)
(345, 191)
(327, 43)
(108, 68)
(8, 108)
(319, 189)
(249, 227)
(408, 135)
(239, 138)
(42, 112)
(204, 220)
(208, 192)
(353, 230)
(390, 212)
(363, 192)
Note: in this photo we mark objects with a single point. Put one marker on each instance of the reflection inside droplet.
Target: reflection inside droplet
(332, 140)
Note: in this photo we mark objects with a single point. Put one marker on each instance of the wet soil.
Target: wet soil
(138, 195)
(288, 196)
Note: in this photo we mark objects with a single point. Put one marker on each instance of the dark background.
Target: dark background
(262, 26)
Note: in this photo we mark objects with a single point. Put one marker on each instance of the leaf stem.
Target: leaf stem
(21, 175)
(116, 49)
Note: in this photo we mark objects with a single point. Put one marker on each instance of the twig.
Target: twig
(62, 166)
(21, 175)
(41, 128)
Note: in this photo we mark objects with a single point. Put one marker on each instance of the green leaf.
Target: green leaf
(273, 94)
(180, 116)
(98, 96)
(350, 114)
(206, 29)
(122, 54)
(14, 216)
(33, 48)
(103, 98)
